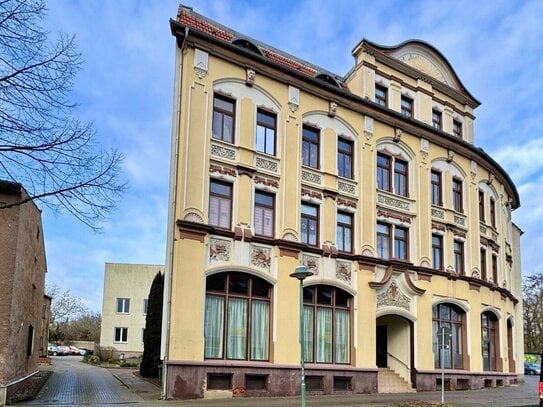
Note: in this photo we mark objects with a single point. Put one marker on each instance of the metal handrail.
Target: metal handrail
(402, 362)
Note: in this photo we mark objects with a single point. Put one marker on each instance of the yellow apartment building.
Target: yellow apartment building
(374, 182)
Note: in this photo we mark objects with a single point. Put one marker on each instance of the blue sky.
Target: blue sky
(126, 85)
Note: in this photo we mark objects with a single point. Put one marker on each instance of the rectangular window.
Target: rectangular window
(484, 275)
(459, 257)
(145, 305)
(437, 119)
(383, 172)
(310, 147)
(345, 158)
(437, 252)
(381, 95)
(481, 206)
(457, 195)
(310, 224)
(223, 118)
(400, 177)
(436, 188)
(220, 204)
(401, 239)
(264, 214)
(121, 335)
(493, 212)
(383, 241)
(495, 268)
(265, 131)
(30, 341)
(142, 335)
(123, 305)
(344, 232)
(407, 106)
(457, 129)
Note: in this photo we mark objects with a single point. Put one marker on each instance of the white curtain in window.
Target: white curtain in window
(213, 327)
(308, 334)
(237, 329)
(342, 336)
(324, 335)
(260, 313)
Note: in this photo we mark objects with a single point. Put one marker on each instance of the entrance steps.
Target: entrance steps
(388, 381)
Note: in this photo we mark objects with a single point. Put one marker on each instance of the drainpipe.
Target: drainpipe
(172, 203)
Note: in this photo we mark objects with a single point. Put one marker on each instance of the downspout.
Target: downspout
(172, 203)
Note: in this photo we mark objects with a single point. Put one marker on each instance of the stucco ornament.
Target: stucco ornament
(393, 297)
(219, 250)
(261, 257)
(423, 64)
(343, 271)
(312, 263)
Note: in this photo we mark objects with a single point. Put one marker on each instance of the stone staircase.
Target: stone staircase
(391, 382)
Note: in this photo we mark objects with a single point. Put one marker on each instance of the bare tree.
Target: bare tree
(42, 145)
(64, 306)
(532, 290)
(84, 328)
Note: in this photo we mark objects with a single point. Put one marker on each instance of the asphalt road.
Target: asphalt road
(78, 384)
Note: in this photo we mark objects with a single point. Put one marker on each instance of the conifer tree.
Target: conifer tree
(149, 366)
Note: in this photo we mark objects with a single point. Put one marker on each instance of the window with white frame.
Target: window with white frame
(121, 335)
(123, 305)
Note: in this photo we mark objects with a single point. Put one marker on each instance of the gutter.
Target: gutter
(172, 203)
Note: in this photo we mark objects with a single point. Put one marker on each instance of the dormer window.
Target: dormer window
(381, 95)
(437, 121)
(457, 129)
(407, 106)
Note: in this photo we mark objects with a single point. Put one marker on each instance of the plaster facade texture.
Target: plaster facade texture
(129, 284)
(23, 322)
(413, 235)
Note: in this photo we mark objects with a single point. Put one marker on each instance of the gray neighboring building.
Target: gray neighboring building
(23, 305)
(124, 306)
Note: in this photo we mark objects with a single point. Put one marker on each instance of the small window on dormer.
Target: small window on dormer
(457, 129)
(437, 119)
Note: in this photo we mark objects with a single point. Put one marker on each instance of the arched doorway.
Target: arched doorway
(395, 346)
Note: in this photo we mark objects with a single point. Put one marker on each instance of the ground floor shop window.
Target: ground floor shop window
(237, 317)
(450, 317)
(327, 324)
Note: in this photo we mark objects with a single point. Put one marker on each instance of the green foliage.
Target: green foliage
(149, 366)
(92, 359)
(129, 363)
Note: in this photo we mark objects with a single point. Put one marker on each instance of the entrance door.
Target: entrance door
(382, 340)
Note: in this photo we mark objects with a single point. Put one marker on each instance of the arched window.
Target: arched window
(237, 317)
(489, 339)
(327, 324)
(451, 318)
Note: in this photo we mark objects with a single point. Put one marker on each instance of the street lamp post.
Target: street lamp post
(301, 272)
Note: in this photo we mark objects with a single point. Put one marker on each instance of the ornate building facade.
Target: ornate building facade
(374, 182)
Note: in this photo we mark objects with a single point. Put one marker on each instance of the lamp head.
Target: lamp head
(301, 272)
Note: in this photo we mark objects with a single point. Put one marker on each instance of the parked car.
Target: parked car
(532, 368)
(64, 349)
(76, 351)
(55, 350)
(541, 384)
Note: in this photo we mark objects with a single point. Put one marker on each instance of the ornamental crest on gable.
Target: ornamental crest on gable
(219, 250)
(393, 297)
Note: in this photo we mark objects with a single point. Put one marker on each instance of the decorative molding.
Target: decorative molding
(475, 274)
(250, 77)
(424, 148)
(219, 250)
(311, 194)
(346, 187)
(368, 127)
(261, 257)
(438, 213)
(397, 134)
(290, 237)
(473, 169)
(193, 217)
(401, 218)
(201, 60)
(266, 181)
(393, 297)
(312, 263)
(223, 152)
(267, 165)
(213, 168)
(293, 98)
(482, 229)
(393, 202)
(343, 271)
(450, 155)
(346, 203)
(311, 177)
(332, 109)
(423, 64)
(459, 220)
